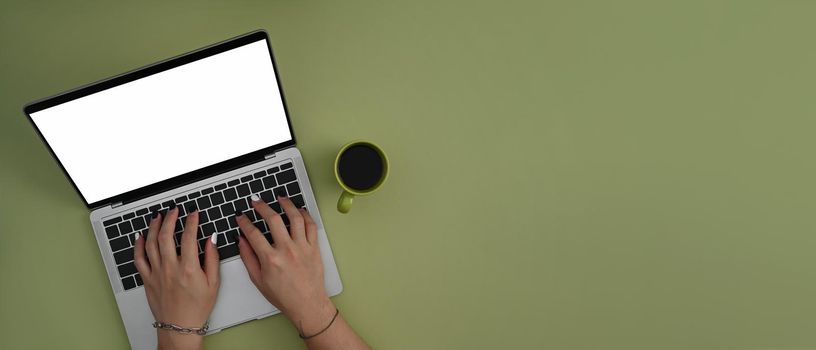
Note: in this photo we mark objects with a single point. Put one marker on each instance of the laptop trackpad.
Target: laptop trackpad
(238, 300)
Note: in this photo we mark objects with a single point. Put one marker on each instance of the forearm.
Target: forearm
(169, 340)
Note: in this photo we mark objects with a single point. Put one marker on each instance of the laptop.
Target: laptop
(206, 130)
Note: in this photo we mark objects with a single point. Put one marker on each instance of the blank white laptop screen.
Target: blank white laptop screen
(169, 123)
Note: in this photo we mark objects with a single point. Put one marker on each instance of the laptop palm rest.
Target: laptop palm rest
(238, 301)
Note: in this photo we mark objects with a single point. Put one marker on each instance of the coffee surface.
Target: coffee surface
(360, 167)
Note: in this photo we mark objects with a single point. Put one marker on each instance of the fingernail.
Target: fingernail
(237, 215)
(280, 196)
(255, 198)
(212, 238)
(172, 206)
(137, 235)
(155, 214)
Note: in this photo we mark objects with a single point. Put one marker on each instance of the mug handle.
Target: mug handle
(345, 201)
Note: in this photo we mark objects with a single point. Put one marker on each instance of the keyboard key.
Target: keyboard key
(272, 170)
(232, 236)
(251, 215)
(127, 269)
(259, 174)
(167, 204)
(227, 209)
(203, 202)
(112, 231)
(280, 191)
(232, 222)
(141, 212)
(298, 200)
(243, 190)
(190, 206)
(214, 213)
(203, 217)
(202, 244)
(285, 220)
(233, 183)
(286, 176)
(123, 256)
(246, 178)
(230, 194)
(179, 227)
(128, 283)
(207, 191)
(138, 223)
(261, 225)
(228, 251)
(112, 221)
(154, 208)
(119, 243)
(208, 229)
(293, 188)
(221, 240)
(267, 196)
(125, 227)
(220, 187)
(240, 205)
(181, 199)
(128, 216)
(194, 195)
(222, 225)
(286, 166)
(138, 279)
(256, 186)
(163, 212)
(276, 207)
(181, 211)
(217, 198)
(269, 182)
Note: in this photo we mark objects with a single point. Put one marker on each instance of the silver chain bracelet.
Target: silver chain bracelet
(169, 326)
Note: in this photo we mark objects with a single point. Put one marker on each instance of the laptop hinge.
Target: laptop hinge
(270, 156)
(117, 204)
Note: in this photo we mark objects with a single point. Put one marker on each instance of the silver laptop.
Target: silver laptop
(204, 130)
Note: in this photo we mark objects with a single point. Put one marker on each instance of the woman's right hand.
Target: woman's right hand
(289, 273)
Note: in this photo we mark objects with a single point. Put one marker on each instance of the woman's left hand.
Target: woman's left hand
(178, 290)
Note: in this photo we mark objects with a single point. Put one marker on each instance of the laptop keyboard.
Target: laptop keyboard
(216, 205)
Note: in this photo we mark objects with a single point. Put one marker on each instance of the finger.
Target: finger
(296, 223)
(278, 230)
(253, 266)
(211, 259)
(189, 246)
(311, 227)
(152, 246)
(167, 246)
(139, 257)
(253, 235)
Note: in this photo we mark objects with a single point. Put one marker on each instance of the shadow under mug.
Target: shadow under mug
(360, 165)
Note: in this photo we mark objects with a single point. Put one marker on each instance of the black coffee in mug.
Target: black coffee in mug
(360, 167)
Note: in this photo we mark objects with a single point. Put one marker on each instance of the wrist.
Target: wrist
(314, 317)
(174, 340)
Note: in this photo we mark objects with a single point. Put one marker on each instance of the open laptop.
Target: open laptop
(203, 130)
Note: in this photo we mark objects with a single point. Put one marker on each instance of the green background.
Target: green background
(565, 174)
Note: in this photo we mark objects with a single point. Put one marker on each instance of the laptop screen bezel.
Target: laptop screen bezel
(161, 150)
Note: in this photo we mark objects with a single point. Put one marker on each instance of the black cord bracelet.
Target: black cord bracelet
(304, 337)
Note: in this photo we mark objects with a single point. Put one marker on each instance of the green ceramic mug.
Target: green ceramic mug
(360, 167)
